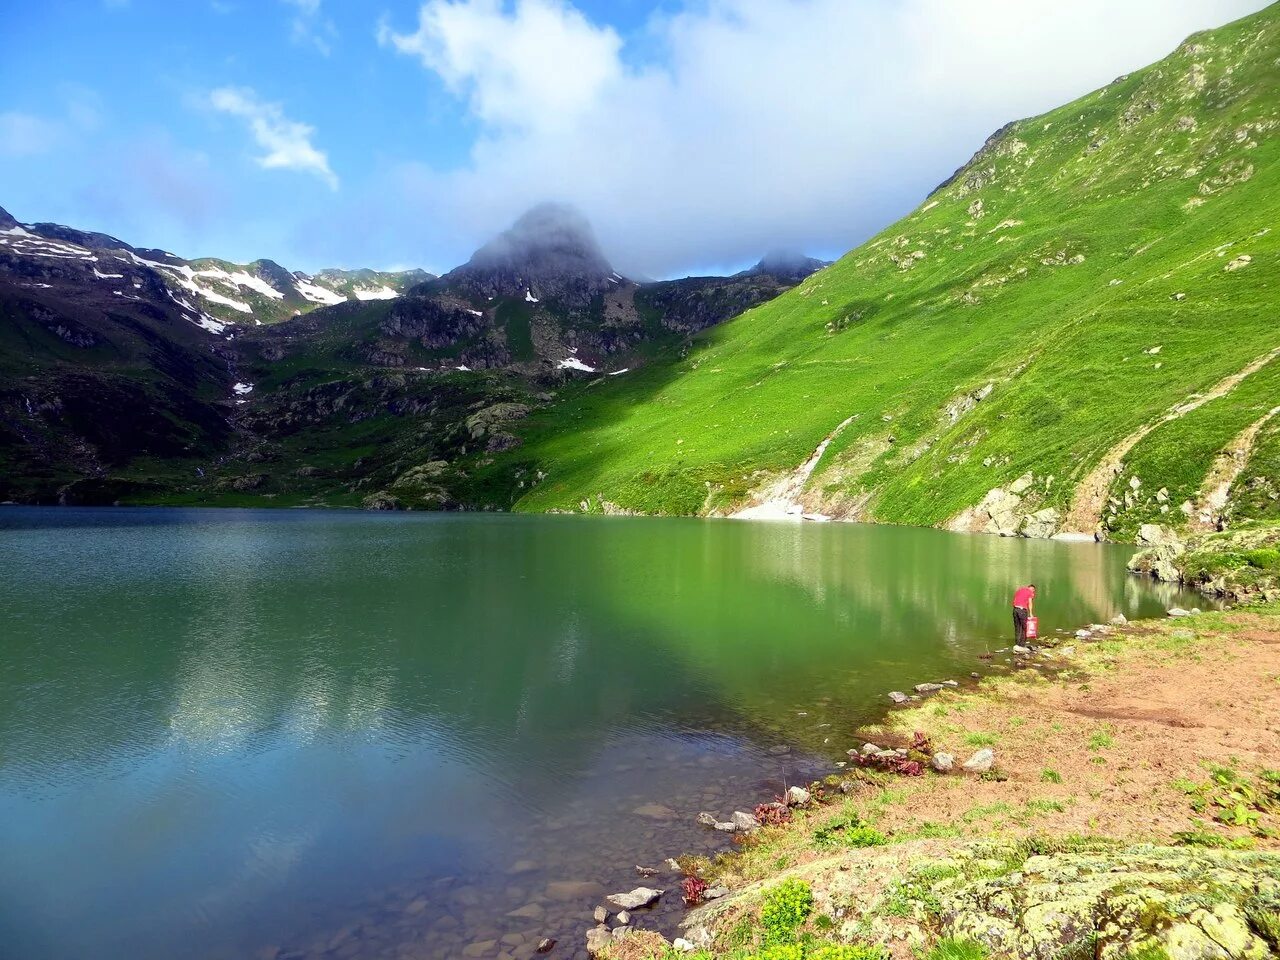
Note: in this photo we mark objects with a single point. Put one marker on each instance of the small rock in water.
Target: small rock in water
(779, 750)
(745, 822)
(672, 864)
(707, 819)
(646, 871)
(1020, 649)
(546, 945)
(797, 796)
(600, 914)
(928, 687)
(943, 762)
(624, 918)
(598, 940)
(654, 811)
(639, 897)
(897, 696)
(521, 866)
(1179, 612)
(975, 675)
(1083, 634)
(727, 826)
(870, 748)
(981, 762)
(951, 683)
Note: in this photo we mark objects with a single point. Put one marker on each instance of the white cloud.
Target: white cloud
(310, 27)
(287, 143)
(756, 122)
(25, 134)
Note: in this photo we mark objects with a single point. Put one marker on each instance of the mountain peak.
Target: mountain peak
(6, 221)
(789, 266)
(552, 241)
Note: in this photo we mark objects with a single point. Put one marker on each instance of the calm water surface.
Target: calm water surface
(234, 734)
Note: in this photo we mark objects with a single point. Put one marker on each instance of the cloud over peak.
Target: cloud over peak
(751, 124)
(287, 143)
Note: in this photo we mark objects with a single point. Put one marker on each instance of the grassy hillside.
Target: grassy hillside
(1096, 267)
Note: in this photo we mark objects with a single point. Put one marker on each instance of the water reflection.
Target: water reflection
(280, 726)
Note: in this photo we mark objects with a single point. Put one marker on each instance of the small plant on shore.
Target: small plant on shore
(786, 907)
(980, 739)
(693, 891)
(1232, 799)
(1265, 919)
(848, 951)
(950, 949)
(773, 814)
(848, 831)
(1101, 740)
(1050, 776)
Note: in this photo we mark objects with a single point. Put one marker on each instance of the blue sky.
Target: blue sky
(695, 134)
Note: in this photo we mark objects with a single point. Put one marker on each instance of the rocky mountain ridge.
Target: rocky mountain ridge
(240, 375)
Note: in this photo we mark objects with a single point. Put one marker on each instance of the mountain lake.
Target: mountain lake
(232, 734)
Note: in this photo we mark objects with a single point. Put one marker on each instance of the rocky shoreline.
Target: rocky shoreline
(1057, 846)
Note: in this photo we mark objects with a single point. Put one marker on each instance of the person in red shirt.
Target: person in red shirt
(1024, 599)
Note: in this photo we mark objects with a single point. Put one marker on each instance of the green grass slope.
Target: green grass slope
(1087, 264)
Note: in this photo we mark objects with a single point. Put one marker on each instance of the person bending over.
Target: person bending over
(1024, 599)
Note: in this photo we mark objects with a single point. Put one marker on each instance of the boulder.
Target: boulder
(1042, 524)
(639, 897)
(797, 796)
(600, 915)
(1022, 484)
(942, 762)
(1021, 650)
(897, 696)
(745, 822)
(870, 748)
(980, 762)
(683, 945)
(624, 918)
(598, 940)
(707, 819)
(1160, 548)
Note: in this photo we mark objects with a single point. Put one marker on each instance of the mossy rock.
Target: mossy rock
(1194, 904)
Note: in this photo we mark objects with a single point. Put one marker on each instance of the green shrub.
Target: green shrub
(848, 952)
(848, 831)
(786, 906)
(950, 949)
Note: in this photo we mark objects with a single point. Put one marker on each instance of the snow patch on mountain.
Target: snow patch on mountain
(318, 294)
(381, 293)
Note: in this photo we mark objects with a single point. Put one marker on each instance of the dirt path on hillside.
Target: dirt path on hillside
(1226, 469)
(781, 499)
(1100, 748)
(1091, 495)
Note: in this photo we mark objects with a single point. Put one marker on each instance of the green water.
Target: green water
(230, 734)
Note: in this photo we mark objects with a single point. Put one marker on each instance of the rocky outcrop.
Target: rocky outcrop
(1011, 511)
(1159, 550)
(1038, 900)
(1193, 904)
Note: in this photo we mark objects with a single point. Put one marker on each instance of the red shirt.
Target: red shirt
(1022, 597)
